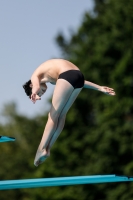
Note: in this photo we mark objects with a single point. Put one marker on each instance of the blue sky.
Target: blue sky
(27, 38)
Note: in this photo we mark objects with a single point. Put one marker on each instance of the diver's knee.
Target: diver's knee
(54, 116)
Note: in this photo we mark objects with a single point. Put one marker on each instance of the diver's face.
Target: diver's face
(42, 90)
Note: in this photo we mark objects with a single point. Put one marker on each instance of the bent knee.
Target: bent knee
(53, 115)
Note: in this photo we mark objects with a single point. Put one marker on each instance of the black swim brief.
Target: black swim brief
(74, 77)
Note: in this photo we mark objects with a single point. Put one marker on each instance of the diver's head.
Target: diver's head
(28, 88)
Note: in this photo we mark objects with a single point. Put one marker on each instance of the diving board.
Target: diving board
(61, 181)
(6, 139)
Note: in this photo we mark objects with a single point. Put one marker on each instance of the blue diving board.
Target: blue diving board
(6, 139)
(61, 181)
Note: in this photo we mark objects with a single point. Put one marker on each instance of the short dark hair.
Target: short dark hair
(27, 88)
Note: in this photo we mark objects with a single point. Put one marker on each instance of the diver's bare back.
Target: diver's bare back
(50, 70)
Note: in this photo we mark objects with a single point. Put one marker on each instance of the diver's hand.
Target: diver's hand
(107, 90)
(34, 97)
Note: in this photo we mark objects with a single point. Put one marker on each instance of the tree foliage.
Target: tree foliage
(97, 138)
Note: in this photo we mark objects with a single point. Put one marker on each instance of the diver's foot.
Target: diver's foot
(41, 156)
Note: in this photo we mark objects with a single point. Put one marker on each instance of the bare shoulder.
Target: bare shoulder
(42, 68)
(47, 68)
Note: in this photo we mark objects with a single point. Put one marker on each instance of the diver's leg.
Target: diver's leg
(61, 95)
(62, 117)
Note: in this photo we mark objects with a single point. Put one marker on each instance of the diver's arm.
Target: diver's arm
(104, 89)
(90, 85)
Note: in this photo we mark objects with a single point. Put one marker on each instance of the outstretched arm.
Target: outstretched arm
(104, 89)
